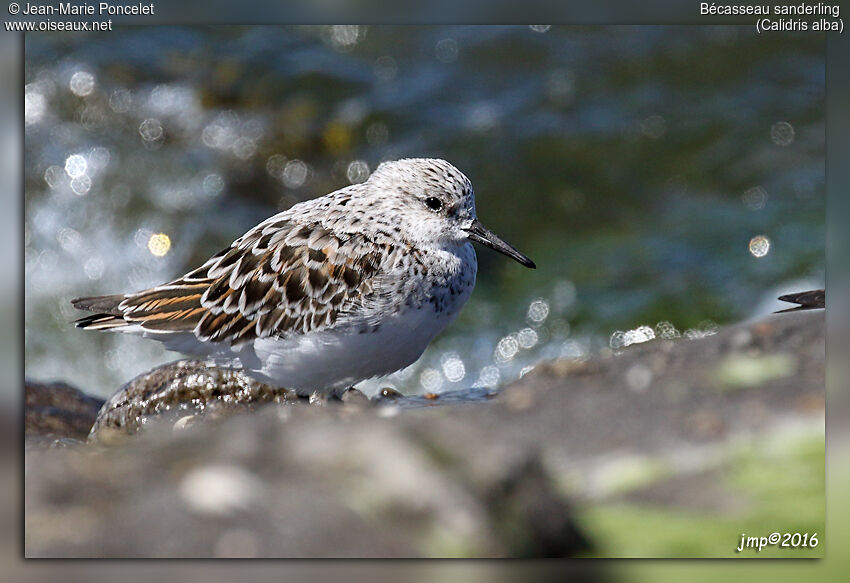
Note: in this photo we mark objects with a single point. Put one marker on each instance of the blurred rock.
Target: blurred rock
(57, 410)
(490, 478)
(742, 379)
(295, 481)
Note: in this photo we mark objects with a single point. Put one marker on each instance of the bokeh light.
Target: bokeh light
(358, 171)
(82, 83)
(151, 130)
(759, 246)
(76, 166)
(295, 174)
(35, 106)
(453, 367)
(755, 198)
(782, 133)
(159, 244)
(446, 50)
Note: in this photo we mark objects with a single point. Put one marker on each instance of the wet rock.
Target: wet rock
(646, 397)
(177, 392)
(56, 411)
(353, 396)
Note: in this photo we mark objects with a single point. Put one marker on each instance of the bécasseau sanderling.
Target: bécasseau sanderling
(335, 290)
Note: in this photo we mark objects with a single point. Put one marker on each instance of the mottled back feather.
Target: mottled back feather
(278, 279)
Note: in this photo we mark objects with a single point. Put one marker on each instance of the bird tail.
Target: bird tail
(107, 316)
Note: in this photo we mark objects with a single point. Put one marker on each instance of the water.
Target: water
(666, 180)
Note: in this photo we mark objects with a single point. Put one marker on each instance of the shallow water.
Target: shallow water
(666, 180)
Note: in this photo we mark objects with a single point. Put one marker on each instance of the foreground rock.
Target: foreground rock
(179, 392)
(495, 478)
(55, 411)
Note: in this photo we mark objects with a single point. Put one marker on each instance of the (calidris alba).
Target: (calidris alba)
(338, 289)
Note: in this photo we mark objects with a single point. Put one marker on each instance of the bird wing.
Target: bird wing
(280, 278)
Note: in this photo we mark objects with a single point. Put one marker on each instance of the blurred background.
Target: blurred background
(666, 180)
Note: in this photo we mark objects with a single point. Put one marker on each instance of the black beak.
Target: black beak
(481, 234)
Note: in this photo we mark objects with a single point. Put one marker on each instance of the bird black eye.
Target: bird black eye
(433, 203)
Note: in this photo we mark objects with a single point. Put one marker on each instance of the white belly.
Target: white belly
(331, 360)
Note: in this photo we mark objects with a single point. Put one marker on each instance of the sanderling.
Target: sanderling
(338, 289)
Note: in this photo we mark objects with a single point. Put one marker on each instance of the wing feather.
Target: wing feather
(278, 279)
